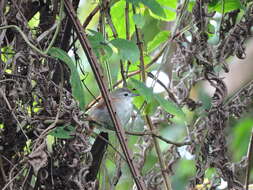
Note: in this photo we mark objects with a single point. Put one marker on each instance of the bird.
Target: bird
(122, 100)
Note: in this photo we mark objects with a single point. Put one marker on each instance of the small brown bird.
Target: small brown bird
(122, 100)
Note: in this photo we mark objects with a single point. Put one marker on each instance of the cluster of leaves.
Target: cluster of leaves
(44, 131)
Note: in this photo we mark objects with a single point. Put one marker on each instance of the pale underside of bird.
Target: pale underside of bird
(122, 102)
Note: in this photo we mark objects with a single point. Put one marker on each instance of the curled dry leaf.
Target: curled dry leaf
(38, 158)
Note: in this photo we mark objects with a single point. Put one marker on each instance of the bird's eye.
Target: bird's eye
(126, 94)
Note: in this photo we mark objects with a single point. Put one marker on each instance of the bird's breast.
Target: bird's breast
(124, 110)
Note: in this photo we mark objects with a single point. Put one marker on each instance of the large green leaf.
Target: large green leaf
(171, 3)
(139, 20)
(169, 8)
(241, 135)
(150, 97)
(99, 45)
(153, 5)
(118, 18)
(151, 107)
(229, 5)
(76, 84)
(63, 132)
(161, 37)
(127, 50)
(153, 26)
(169, 106)
(142, 89)
(96, 39)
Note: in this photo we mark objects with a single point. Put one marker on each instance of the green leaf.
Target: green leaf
(150, 97)
(127, 50)
(62, 132)
(76, 84)
(118, 18)
(150, 108)
(169, 106)
(161, 37)
(241, 135)
(106, 52)
(99, 45)
(153, 5)
(229, 5)
(191, 4)
(139, 20)
(97, 39)
(134, 2)
(169, 8)
(171, 3)
(213, 3)
(142, 89)
(34, 21)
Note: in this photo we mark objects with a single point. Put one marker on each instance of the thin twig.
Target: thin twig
(178, 144)
(56, 120)
(25, 38)
(110, 144)
(166, 178)
(90, 16)
(127, 21)
(156, 57)
(122, 72)
(118, 173)
(12, 112)
(87, 21)
(105, 14)
(127, 37)
(237, 93)
(169, 43)
(148, 120)
(110, 23)
(105, 93)
(140, 46)
(171, 95)
(115, 35)
(32, 46)
(7, 184)
(57, 28)
(2, 170)
(249, 160)
(222, 17)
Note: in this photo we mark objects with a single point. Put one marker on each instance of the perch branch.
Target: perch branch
(178, 144)
(105, 93)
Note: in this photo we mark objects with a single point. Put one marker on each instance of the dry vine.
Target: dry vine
(36, 98)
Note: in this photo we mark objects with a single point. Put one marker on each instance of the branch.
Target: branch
(90, 16)
(12, 112)
(25, 38)
(32, 46)
(178, 144)
(105, 93)
(166, 178)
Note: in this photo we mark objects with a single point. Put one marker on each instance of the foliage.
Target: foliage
(188, 139)
(76, 84)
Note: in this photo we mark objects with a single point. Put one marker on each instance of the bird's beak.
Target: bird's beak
(133, 95)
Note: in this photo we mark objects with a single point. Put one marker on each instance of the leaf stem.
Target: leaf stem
(148, 120)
